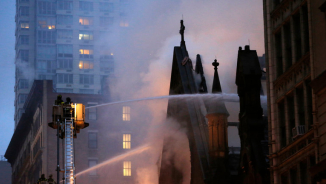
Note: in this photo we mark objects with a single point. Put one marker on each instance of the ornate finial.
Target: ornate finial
(182, 31)
(215, 64)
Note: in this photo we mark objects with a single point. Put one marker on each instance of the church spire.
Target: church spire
(216, 82)
(182, 31)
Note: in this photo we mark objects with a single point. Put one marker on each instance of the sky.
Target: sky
(214, 29)
(7, 72)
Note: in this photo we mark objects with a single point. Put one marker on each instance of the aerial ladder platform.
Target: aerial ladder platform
(68, 119)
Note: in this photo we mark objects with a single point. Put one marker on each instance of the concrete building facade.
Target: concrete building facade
(113, 131)
(64, 41)
(295, 60)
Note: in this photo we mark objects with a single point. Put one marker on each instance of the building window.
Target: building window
(85, 35)
(86, 21)
(64, 64)
(24, 55)
(64, 78)
(45, 77)
(106, 7)
(126, 141)
(92, 163)
(24, 11)
(85, 6)
(86, 52)
(65, 20)
(24, 39)
(46, 51)
(46, 8)
(65, 51)
(24, 1)
(86, 91)
(64, 34)
(124, 22)
(22, 98)
(126, 113)
(46, 22)
(92, 112)
(64, 90)
(86, 79)
(106, 21)
(24, 25)
(46, 36)
(126, 168)
(86, 65)
(23, 84)
(20, 113)
(92, 140)
(46, 66)
(65, 5)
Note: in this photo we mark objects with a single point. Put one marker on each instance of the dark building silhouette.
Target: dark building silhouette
(207, 139)
(253, 166)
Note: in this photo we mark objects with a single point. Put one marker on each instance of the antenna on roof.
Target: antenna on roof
(182, 17)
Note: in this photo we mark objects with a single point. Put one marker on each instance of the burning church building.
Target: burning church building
(205, 121)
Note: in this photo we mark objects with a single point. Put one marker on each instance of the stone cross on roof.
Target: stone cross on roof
(215, 64)
(182, 31)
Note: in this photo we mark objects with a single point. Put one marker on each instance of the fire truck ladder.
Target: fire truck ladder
(69, 153)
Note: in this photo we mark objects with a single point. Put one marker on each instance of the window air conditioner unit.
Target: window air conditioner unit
(298, 130)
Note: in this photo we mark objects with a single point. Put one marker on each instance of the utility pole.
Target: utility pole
(68, 119)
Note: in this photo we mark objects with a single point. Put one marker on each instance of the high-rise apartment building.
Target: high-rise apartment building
(63, 41)
(295, 59)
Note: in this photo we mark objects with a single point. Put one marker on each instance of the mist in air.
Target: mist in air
(143, 54)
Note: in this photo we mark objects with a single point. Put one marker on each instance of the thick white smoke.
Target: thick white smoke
(143, 55)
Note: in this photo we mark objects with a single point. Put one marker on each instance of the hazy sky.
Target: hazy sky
(214, 28)
(7, 72)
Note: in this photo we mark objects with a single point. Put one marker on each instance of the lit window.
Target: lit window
(126, 141)
(124, 23)
(86, 52)
(85, 35)
(85, 21)
(24, 25)
(86, 65)
(92, 140)
(92, 163)
(126, 113)
(126, 168)
(46, 22)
